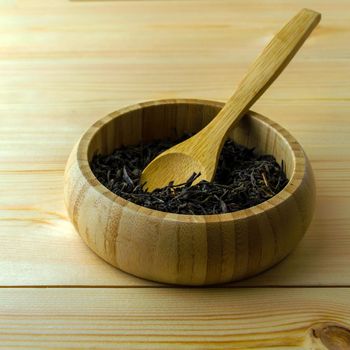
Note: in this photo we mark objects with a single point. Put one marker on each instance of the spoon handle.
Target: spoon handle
(267, 67)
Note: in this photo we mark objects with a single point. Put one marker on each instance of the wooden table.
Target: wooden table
(65, 64)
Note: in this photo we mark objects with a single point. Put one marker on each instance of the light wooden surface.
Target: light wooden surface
(64, 65)
(200, 153)
(150, 318)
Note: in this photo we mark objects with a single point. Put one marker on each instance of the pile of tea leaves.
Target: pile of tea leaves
(243, 179)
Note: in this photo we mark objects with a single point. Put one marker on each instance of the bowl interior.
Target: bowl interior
(148, 122)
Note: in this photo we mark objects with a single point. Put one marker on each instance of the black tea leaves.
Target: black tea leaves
(243, 179)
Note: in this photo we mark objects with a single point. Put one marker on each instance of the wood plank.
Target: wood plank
(100, 318)
(64, 65)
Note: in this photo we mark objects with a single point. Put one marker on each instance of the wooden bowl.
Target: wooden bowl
(187, 249)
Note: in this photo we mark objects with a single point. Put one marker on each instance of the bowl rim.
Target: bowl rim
(298, 172)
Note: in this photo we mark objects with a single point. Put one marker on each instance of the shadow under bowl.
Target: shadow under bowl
(187, 249)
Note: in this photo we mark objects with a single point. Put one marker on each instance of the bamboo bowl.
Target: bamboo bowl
(187, 249)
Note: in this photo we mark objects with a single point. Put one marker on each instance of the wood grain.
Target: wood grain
(64, 65)
(130, 318)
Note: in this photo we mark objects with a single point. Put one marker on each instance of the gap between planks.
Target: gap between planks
(172, 287)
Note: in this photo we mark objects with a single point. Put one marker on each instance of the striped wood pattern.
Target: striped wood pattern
(185, 249)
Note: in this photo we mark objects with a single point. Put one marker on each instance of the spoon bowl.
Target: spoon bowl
(172, 160)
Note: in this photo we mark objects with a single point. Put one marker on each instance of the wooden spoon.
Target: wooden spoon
(200, 153)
